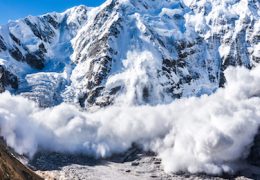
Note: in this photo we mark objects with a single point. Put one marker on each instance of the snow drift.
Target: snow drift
(206, 134)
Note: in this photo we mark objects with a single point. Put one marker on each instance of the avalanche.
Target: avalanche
(208, 134)
(97, 80)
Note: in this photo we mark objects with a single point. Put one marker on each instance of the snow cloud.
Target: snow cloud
(206, 134)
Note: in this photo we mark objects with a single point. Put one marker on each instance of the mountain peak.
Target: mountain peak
(87, 54)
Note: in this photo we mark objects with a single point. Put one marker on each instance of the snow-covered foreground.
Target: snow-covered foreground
(207, 134)
(143, 168)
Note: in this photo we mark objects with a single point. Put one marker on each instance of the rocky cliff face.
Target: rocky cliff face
(7, 79)
(154, 52)
(11, 168)
(130, 52)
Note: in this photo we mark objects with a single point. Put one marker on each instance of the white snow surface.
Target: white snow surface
(208, 134)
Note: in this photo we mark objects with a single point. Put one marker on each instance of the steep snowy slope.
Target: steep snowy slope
(36, 50)
(150, 52)
(130, 51)
(233, 26)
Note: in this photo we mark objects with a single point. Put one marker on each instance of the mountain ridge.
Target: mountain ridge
(190, 56)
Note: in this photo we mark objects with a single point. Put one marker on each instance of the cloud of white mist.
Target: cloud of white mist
(206, 134)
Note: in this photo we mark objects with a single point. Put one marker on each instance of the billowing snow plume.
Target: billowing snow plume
(206, 134)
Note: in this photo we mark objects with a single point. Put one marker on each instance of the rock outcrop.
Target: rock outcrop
(11, 168)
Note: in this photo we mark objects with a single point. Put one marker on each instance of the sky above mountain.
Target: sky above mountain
(15, 9)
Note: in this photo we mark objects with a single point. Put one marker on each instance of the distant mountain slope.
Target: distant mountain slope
(35, 50)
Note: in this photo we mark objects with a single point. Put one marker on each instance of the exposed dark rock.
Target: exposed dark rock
(115, 90)
(238, 55)
(11, 168)
(7, 79)
(42, 48)
(34, 61)
(33, 27)
(135, 163)
(2, 44)
(93, 94)
(15, 39)
(16, 54)
(44, 31)
(256, 59)
(254, 155)
(51, 20)
(146, 94)
(95, 80)
(172, 66)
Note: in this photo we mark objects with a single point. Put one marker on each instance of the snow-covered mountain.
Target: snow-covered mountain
(129, 51)
(133, 53)
(36, 51)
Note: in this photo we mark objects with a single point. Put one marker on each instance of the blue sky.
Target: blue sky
(14, 9)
